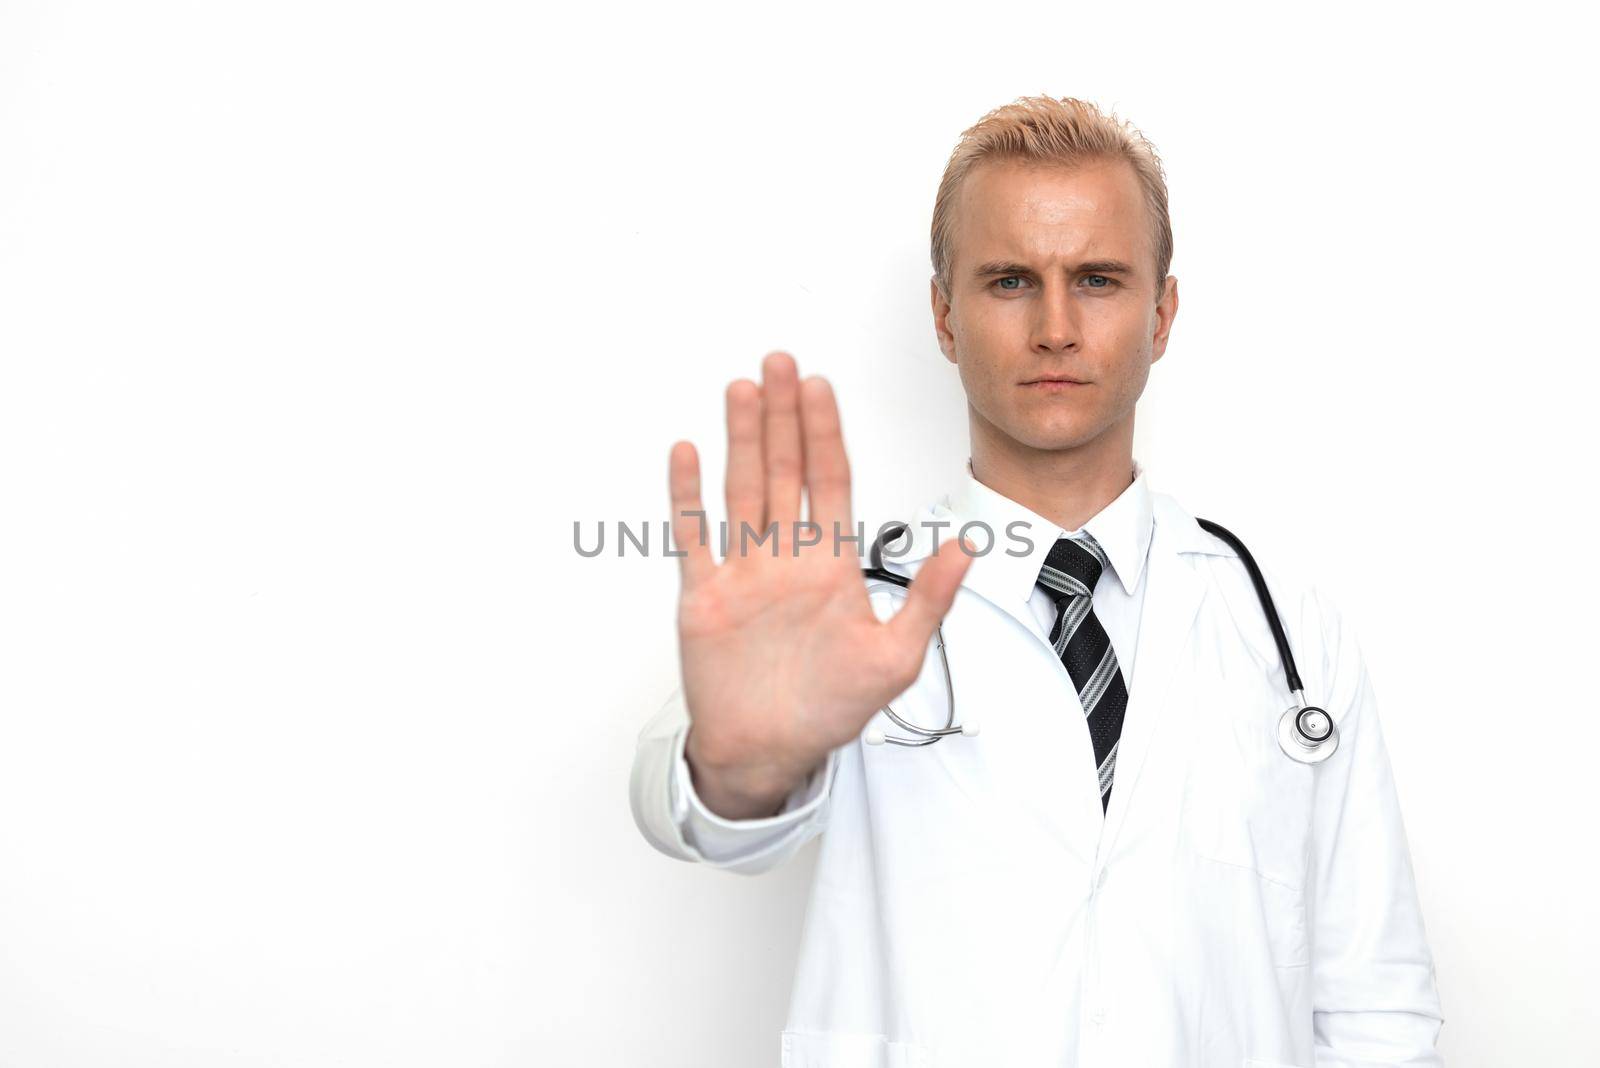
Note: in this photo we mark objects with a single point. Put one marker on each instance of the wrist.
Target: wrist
(739, 789)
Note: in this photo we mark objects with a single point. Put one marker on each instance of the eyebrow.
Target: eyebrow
(1005, 267)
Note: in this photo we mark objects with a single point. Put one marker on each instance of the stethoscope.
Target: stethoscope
(1306, 733)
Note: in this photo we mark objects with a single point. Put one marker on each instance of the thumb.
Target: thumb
(931, 593)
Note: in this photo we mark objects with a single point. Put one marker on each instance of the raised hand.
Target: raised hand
(783, 658)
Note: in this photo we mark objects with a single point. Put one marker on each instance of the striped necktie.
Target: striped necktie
(1070, 572)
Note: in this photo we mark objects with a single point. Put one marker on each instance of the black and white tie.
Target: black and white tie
(1070, 572)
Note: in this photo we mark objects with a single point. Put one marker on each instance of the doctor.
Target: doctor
(1122, 868)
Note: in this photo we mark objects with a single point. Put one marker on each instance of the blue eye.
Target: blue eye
(1093, 281)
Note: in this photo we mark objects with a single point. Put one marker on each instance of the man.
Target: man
(1123, 867)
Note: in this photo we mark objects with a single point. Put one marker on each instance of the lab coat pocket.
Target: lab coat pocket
(1246, 802)
(845, 1049)
(1247, 806)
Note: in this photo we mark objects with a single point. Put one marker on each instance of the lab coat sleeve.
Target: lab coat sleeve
(1375, 997)
(674, 820)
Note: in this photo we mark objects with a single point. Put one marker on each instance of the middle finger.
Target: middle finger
(780, 396)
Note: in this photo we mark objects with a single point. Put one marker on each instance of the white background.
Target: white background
(321, 324)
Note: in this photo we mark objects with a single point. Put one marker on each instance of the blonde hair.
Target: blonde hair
(1042, 129)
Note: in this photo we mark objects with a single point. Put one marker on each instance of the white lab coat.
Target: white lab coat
(972, 905)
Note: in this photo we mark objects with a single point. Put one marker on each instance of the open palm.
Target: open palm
(783, 658)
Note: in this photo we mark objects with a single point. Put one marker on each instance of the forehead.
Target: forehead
(1044, 211)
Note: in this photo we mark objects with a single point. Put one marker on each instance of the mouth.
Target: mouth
(1054, 384)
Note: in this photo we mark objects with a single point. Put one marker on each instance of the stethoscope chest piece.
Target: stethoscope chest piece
(1307, 734)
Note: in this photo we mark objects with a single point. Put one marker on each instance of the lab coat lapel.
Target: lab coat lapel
(1171, 602)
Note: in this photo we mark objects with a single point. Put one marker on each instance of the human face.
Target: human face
(1052, 276)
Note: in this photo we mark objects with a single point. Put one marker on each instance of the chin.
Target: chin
(1060, 427)
(1046, 428)
(1051, 438)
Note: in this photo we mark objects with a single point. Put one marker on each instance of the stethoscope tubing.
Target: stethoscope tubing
(1290, 674)
(1306, 733)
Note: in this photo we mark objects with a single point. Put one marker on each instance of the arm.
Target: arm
(783, 657)
(675, 820)
(1375, 996)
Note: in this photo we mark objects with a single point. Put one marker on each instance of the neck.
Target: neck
(1066, 486)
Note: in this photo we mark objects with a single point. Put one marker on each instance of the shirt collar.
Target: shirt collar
(1123, 528)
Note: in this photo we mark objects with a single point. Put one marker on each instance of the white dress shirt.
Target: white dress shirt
(1123, 528)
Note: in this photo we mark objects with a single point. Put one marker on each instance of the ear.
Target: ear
(941, 320)
(1166, 311)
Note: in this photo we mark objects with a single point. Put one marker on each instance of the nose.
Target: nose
(1056, 329)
